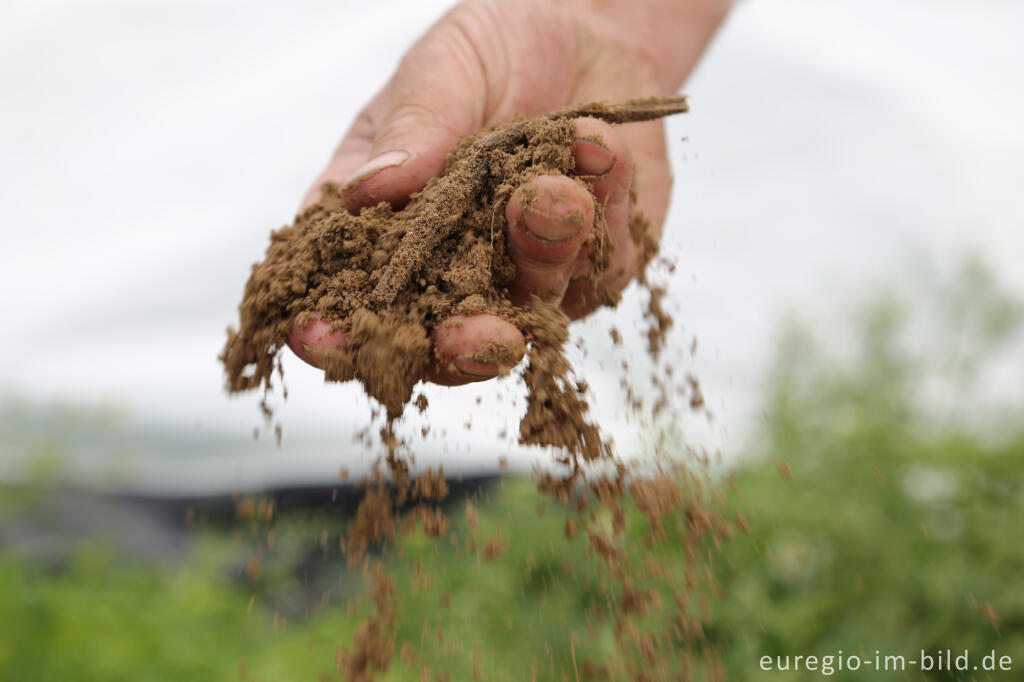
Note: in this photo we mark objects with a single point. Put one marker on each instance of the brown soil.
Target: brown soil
(388, 277)
(374, 639)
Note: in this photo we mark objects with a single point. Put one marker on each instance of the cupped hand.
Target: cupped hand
(482, 63)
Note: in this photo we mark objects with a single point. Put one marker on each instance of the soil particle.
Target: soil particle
(430, 485)
(571, 529)
(252, 569)
(435, 523)
(374, 523)
(494, 548)
(655, 498)
(504, 355)
(374, 640)
(556, 414)
(696, 394)
(661, 321)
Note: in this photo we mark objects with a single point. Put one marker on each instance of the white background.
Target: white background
(147, 148)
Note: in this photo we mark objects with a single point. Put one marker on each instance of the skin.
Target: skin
(485, 61)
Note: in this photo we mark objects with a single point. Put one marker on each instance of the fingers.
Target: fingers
(311, 341)
(410, 147)
(611, 188)
(391, 151)
(466, 348)
(549, 218)
(401, 140)
(603, 160)
(475, 348)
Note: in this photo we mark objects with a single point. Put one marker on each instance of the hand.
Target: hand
(482, 63)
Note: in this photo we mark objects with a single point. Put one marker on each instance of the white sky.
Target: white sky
(147, 148)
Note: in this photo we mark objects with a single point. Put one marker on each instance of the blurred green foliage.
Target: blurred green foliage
(898, 530)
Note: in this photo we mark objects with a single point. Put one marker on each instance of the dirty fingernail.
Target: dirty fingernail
(592, 157)
(547, 219)
(467, 365)
(378, 163)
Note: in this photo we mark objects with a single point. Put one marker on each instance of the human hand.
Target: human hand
(482, 63)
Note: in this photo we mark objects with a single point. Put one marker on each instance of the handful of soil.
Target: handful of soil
(389, 276)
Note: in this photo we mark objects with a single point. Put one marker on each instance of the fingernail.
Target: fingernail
(466, 365)
(378, 163)
(592, 157)
(548, 220)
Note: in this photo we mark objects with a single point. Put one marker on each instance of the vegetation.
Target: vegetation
(900, 529)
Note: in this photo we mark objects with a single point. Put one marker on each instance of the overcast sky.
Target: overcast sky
(147, 149)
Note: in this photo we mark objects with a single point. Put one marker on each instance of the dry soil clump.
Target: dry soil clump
(388, 276)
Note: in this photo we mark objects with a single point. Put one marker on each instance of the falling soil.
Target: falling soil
(388, 277)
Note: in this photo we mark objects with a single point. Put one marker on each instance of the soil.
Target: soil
(387, 277)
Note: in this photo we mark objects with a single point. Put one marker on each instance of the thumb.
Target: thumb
(409, 149)
(436, 96)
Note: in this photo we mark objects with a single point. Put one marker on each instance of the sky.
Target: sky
(147, 149)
